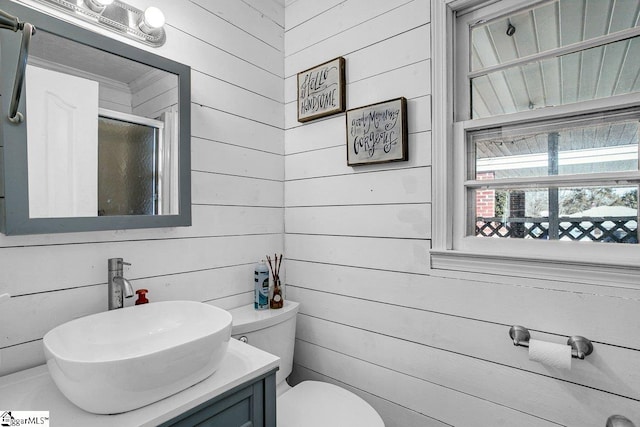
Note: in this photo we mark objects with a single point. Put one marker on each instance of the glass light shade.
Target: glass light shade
(153, 17)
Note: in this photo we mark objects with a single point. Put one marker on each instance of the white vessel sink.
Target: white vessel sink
(123, 359)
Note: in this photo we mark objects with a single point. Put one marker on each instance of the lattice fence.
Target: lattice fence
(602, 229)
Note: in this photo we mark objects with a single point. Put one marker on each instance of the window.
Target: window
(555, 180)
(541, 167)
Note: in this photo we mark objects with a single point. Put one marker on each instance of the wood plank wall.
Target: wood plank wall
(235, 49)
(424, 350)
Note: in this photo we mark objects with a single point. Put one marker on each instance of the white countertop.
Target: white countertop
(34, 390)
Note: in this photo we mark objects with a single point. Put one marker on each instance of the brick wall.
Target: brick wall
(485, 199)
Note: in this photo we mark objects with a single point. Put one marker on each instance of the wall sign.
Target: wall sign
(377, 133)
(321, 90)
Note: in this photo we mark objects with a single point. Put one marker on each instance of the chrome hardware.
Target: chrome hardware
(117, 284)
(244, 339)
(118, 17)
(619, 421)
(581, 347)
(10, 22)
(520, 335)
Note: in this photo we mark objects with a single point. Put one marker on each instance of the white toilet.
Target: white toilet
(310, 403)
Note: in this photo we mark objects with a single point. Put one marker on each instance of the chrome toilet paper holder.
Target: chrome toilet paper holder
(581, 347)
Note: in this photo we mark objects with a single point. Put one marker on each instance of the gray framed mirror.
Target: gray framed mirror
(105, 140)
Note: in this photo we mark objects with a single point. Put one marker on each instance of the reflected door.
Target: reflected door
(62, 132)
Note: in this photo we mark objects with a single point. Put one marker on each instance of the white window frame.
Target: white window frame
(452, 250)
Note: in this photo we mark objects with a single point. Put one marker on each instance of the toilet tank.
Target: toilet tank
(270, 330)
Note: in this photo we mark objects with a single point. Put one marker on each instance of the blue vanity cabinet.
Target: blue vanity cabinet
(252, 404)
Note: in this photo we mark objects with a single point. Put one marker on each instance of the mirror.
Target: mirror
(105, 141)
(98, 125)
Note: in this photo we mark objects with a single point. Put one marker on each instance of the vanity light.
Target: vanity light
(117, 16)
(151, 21)
(98, 6)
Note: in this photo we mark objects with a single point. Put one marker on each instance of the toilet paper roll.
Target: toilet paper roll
(550, 354)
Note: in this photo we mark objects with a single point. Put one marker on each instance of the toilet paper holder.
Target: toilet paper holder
(581, 347)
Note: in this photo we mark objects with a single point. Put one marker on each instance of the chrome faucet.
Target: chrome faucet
(118, 285)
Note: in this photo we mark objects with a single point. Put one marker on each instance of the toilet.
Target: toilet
(310, 403)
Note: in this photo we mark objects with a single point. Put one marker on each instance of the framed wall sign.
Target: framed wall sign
(377, 133)
(321, 90)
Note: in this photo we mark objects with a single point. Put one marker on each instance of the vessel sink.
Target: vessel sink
(123, 359)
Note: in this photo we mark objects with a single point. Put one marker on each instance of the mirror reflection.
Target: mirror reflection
(102, 133)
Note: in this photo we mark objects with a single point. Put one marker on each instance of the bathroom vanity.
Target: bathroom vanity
(240, 393)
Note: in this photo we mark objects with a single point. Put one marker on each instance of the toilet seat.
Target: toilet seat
(319, 404)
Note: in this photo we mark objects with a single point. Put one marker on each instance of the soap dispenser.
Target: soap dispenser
(142, 296)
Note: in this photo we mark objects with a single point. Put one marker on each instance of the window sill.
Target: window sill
(623, 275)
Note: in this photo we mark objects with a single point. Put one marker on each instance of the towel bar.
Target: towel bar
(10, 22)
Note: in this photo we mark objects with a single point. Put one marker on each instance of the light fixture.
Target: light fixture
(151, 21)
(98, 6)
(117, 16)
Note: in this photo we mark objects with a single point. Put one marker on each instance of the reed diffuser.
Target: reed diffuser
(276, 300)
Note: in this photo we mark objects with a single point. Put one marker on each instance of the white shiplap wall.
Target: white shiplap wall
(423, 350)
(235, 49)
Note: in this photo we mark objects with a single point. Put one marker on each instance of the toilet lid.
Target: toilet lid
(319, 404)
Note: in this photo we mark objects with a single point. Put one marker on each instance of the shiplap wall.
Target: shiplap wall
(235, 49)
(423, 350)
